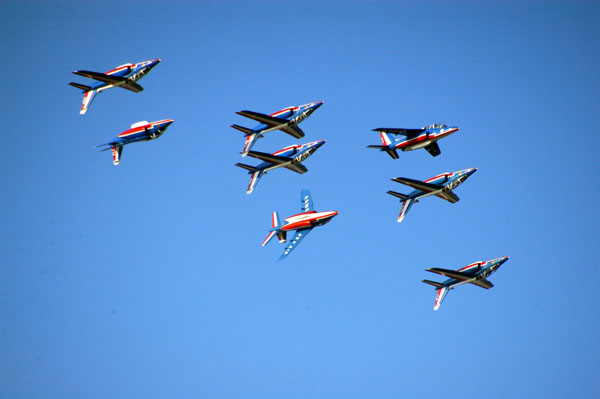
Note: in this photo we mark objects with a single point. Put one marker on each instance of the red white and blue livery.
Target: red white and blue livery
(441, 186)
(302, 223)
(413, 139)
(475, 273)
(290, 157)
(140, 131)
(286, 120)
(124, 76)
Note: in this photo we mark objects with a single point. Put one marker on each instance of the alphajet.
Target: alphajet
(475, 273)
(303, 223)
(290, 157)
(440, 186)
(413, 139)
(124, 76)
(140, 131)
(286, 120)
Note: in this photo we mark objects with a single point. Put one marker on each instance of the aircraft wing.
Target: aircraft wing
(461, 276)
(433, 149)
(484, 283)
(300, 234)
(292, 130)
(448, 196)
(101, 77)
(262, 118)
(297, 167)
(274, 159)
(419, 185)
(306, 200)
(403, 132)
(134, 87)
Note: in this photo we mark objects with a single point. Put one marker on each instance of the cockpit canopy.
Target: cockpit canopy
(437, 126)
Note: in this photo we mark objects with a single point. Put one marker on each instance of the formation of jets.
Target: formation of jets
(292, 156)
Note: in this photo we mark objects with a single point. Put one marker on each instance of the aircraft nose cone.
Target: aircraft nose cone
(316, 105)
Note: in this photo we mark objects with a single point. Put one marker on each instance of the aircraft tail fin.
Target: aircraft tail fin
(266, 240)
(88, 97)
(434, 283)
(117, 150)
(254, 178)
(250, 140)
(275, 221)
(275, 224)
(406, 204)
(441, 294)
(385, 139)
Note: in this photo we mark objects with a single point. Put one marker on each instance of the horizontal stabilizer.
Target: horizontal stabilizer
(434, 283)
(242, 128)
(247, 167)
(395, 194)
(80, 86)
(381, 147)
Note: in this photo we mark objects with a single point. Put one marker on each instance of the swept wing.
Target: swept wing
(274, 122)
(306, 200)
(433, 149)
(101, 77)
(404, 132)
(299, 236)
(463, 277)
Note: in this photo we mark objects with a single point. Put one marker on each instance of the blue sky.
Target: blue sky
(148, 279)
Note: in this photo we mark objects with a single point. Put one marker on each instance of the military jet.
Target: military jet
(440, 186)
(303, 223)
(124, 76)
(290, 157)
(413, 139)
(475, 273)
(140, 131)
(286, 120)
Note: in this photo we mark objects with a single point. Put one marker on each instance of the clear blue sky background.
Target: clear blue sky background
(148, 279)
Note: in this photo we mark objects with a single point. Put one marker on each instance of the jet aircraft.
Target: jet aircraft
(290, 157)
(475, 273)
(303, 223)
(440, 186)
(425, 137)
(140, 131)
(124, 76)
(286, 120)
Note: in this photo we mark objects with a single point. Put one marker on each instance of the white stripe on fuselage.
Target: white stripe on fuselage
(309, 216)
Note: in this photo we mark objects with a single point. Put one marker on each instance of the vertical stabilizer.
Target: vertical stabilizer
(441, 294)
(406, 204)
(250, 140)
(88, 97)
(116, 152)
(254, 178)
